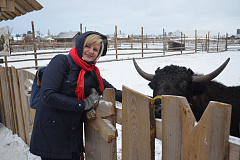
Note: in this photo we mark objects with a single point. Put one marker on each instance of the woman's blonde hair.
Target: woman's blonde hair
(95, 39)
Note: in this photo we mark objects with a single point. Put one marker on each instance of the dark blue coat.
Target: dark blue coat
(58, 124)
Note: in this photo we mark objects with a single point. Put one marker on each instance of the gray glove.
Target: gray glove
(92, 101)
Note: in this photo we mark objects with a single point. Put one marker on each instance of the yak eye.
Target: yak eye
(184, 84)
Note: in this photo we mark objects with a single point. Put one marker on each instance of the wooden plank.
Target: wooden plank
(6, 97)
(18, 105)
(25, 100)
(25, 5)
(35, 4)
(101, 124)
(10, 5)
(6, 15)
(210, 138)
(177, 121)
(119, 115)
(138, 126)
(95, 145)
(2, 111)
(3, 3)
(158, 123)
(20, 9)
(234, 148)
(13, 106)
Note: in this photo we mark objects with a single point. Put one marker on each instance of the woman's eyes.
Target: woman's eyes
(94, 49)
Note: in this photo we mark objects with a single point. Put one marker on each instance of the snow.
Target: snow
(120, 73)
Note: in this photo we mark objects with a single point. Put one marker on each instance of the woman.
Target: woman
(65, 94)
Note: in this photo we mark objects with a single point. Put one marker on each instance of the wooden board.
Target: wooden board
(138, 126)
(177, 121)
(183, 139)
(18, 104)
(13, 106)
(96, 146)
(6, 96)
(210, 138)
(25, 100)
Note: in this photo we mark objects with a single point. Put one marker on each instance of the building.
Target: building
(66, 36)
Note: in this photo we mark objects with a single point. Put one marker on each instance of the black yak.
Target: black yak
(199, 90)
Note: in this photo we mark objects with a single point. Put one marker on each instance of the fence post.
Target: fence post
(181, 43)
(206, 44)
(218, 41)
(208, 41)
(138, 126)
(210, 138)
(183, 139)
(116, 41)
(226, 42)
(184, 41)
(132, 42)
(163, 42)
(142, 41)
(196, 41)
(80, 28)
(177, 121)
(34, 45)
(100, 134)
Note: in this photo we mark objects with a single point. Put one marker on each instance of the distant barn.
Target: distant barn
(173, 45)
(66, 36)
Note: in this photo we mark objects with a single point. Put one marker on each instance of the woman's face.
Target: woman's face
(90, 52)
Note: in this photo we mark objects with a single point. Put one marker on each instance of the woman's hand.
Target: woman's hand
(92, 101)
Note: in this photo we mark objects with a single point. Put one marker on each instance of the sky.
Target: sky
(130, 16)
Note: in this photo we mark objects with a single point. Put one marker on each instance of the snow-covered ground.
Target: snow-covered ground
(120, 73)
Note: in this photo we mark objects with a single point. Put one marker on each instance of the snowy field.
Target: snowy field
(120, 73)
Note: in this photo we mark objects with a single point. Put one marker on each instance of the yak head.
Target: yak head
(176, 80)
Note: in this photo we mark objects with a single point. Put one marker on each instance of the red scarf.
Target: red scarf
(79, 91)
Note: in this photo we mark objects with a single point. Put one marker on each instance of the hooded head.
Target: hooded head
(80, 43)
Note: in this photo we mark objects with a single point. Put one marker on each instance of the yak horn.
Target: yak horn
(210, 76)
(145, 75)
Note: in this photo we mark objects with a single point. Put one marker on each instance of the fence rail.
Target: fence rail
(181, 137)
(144, 48)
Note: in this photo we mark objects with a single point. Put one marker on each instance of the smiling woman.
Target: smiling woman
(66, 93)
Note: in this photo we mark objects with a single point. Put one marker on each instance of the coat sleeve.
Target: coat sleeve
(118, 93)
(51, 83)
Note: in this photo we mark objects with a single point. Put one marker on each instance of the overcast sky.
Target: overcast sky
(130, 15)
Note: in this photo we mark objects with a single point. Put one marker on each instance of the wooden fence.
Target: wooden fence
(181, 137)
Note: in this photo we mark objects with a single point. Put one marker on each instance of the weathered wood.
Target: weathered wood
(234, 148)
(177, 121)
(95, 145)
(119, 115)
(101, 124)
(18, 105)
(3, 3)
(7, 99)
(25, 100)
(210, 138)
(2, 111)
(12, 107)
(158, 123)
(138, 126)
(184, 140)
